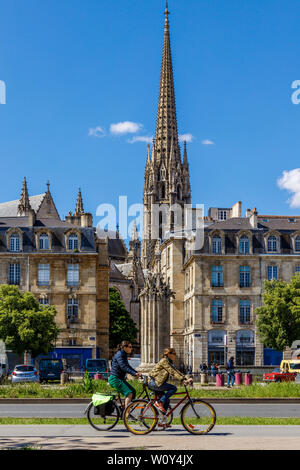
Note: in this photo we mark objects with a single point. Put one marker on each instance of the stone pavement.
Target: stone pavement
(78, 437)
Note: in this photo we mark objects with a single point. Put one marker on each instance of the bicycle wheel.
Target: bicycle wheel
(140, 417)
(198, 417)
(103, 422)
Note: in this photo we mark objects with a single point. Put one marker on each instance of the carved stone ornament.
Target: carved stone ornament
(156, 286)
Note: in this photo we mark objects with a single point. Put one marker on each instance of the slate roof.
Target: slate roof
(10, 209)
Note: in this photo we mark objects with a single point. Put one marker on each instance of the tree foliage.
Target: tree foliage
(25, 325)
(278, 320)
(121, 325)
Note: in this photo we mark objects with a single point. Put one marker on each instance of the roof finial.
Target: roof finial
(48, 186)
(79, 204)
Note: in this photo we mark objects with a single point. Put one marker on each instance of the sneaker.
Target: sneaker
(159, 406)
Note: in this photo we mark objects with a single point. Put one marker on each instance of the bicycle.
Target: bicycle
(104, 418)
(197, 416)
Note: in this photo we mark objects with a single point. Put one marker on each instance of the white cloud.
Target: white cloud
(207, 142)
(186, 137)
(290, 180)
(140, 138)
(96, 132)
(126, 127)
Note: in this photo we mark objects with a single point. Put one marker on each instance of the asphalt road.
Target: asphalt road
(67, 437)
(77, 410)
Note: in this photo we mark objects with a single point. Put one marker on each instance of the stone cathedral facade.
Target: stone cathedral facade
(202, 301)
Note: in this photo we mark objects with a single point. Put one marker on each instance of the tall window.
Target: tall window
(297, 243)
(73, 242)
(14, 273)
(245, 278)
(14, 242)
(217, 311)
(72, 309)
(73, 275)
(297, 270)
(222, 215)
(44, 241)
(244, 245)
(245, 311)
(217, 276)
(272, 243)
(272, 272)
(43, 274)
(217, 244)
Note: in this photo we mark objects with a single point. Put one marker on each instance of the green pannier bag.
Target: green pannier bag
(103, 404)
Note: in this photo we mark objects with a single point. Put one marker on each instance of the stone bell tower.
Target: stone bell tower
(167, 180)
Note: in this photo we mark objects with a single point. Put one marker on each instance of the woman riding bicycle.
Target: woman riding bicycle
(119, 368)
(159, 375)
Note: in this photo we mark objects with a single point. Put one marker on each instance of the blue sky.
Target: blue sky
(74, 68)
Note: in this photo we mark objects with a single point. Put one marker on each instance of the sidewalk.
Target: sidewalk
(77, 437)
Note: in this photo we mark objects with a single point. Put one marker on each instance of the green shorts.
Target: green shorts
(123, 387)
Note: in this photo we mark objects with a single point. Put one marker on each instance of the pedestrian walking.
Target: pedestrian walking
(230, 372)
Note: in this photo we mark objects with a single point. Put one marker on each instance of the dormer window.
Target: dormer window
(14, 242)
(73, 242)
(244, 245)
(44, 241)
(217, 244)
(272, 243)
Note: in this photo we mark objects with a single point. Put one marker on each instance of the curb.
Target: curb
(74, 401)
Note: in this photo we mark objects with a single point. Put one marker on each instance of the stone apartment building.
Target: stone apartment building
(63, 263)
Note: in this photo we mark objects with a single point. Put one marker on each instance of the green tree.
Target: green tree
(278, 320)
(121, 325)
(25, 325)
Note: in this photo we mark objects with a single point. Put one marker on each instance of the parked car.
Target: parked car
(97, 366)
(24, 373)
(292, 365)
(50, 369)
(277, 375)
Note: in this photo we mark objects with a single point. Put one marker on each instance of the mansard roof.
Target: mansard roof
(10, 208)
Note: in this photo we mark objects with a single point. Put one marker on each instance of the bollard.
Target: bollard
(219, 380)
(203, 378)
(98, 377)
(63, 378)
(248, 379)
(238, 378)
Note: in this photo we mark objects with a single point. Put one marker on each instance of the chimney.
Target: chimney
(236, 210)
(86, 220)
(31, 218)
(253, 218)
(248, 212)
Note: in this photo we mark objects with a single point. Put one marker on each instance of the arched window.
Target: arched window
(217, 244)
(14, 242)
(272, 243)
(73, 242)
(44, 241)
(244, 245)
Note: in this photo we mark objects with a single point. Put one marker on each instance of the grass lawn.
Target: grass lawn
(81, 390)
